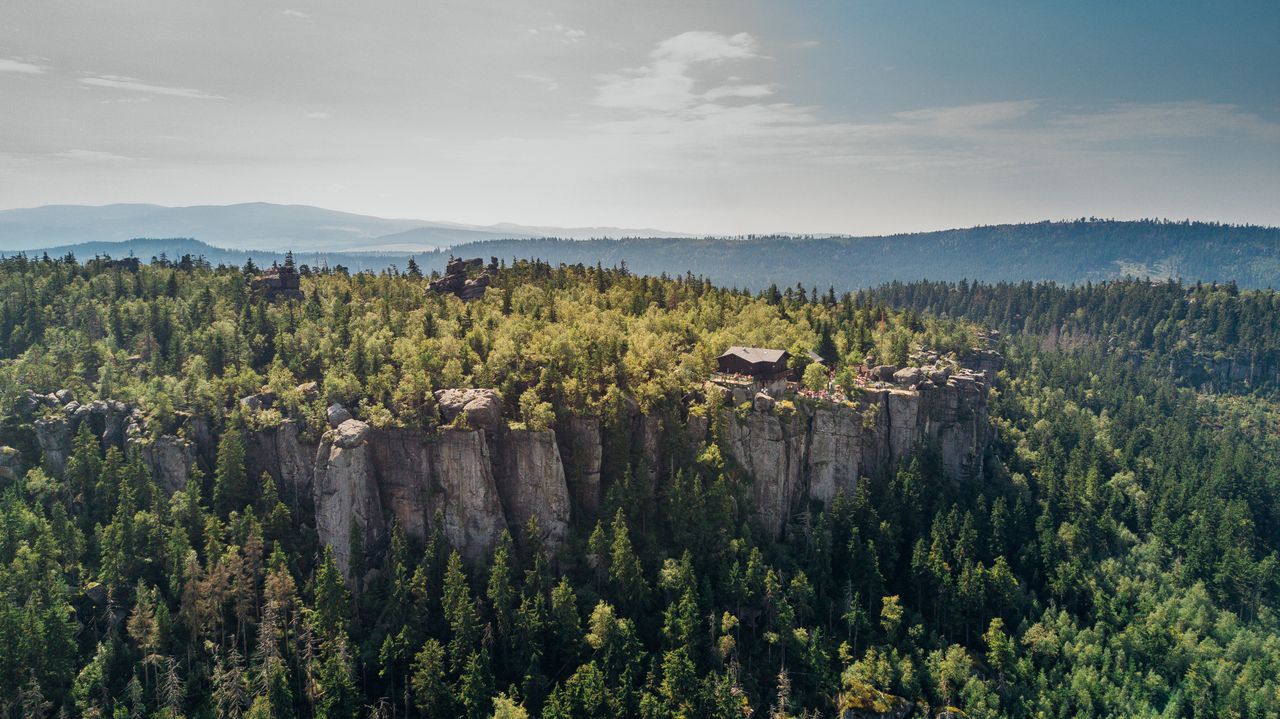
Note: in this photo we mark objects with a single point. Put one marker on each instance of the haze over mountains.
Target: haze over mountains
(261, 225)
(1064, 252)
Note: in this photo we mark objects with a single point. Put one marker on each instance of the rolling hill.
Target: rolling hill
(1063, 252)
(259, 224)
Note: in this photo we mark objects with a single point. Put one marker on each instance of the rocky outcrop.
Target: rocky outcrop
(472, 477)
(531, 483)
(482, 408)
(10, 464)
(809, 449)
(835, 452)
(465, 493)
(169, 458)
(457, 278)
(55, 432)
(771, 447)
(281, 452)
(346, 493)
(54, 436)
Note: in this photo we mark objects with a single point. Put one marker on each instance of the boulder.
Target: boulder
(940, 376)
(96, 594)
(481, 407)
(337, 414)
(309, 390)
(10, 464)
(884, 372)
(763, 402)
(907, 376)
(64, 396)
(253, 402)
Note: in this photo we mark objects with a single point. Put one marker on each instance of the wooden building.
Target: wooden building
(757, 362)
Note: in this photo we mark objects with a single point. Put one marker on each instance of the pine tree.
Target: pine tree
(232, 488)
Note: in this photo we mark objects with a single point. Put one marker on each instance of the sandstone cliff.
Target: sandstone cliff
(810, 449)
(473, 476)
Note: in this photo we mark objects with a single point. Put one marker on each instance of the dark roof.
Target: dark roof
(815, 357)
(756, 354)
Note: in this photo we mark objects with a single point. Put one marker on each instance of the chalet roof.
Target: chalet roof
(815, 357)
(756, 354)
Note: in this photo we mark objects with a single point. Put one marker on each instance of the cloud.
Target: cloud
(560, 31)
(1169, 120)
(20, 67)
(119, 82)
(81, 155)
(675, 112)
(548, 82)
(805, 44)
(667, 83)
(318, 115)
(296, 14)
(970, 116)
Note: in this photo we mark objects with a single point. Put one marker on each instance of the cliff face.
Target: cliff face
(346, 492)
(372, 477)
(476, 477)
(531, 483)
(809, 449)
(281, 452)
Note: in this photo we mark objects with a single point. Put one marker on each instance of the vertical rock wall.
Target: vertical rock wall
(480, 477)
(531, 483)
(346, 492)
(810, 450)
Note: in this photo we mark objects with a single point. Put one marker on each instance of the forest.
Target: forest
(1117, 555)
(1075, 251)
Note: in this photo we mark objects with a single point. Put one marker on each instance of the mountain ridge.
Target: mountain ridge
(254, 224)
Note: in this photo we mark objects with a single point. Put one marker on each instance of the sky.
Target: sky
(716, 117)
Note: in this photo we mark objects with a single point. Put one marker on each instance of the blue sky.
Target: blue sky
(726, 116)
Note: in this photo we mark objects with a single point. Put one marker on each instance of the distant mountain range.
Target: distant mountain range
(264, 225)
(1064, 252)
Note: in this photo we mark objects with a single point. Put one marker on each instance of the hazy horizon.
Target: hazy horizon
(722, 118)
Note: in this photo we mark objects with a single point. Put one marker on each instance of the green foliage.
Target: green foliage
(1117, 556)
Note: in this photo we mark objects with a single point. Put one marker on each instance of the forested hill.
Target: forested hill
(1064, 252)
(1114, 553)
(1209, 336)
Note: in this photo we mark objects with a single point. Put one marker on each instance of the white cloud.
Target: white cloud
(667, 82)
(20, 67)
(119, 82)
(548, 82)
(296, 14)
(969, 116)
(560, 31)
(81, 155)
(318, 115)
(1169, 120)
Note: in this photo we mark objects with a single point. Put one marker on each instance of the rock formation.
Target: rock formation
(531, 483)
(279, 282)
(456, 280)
(282, 452)
(169, 458)
(472, 477)
(809, 449)
(346, 493)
